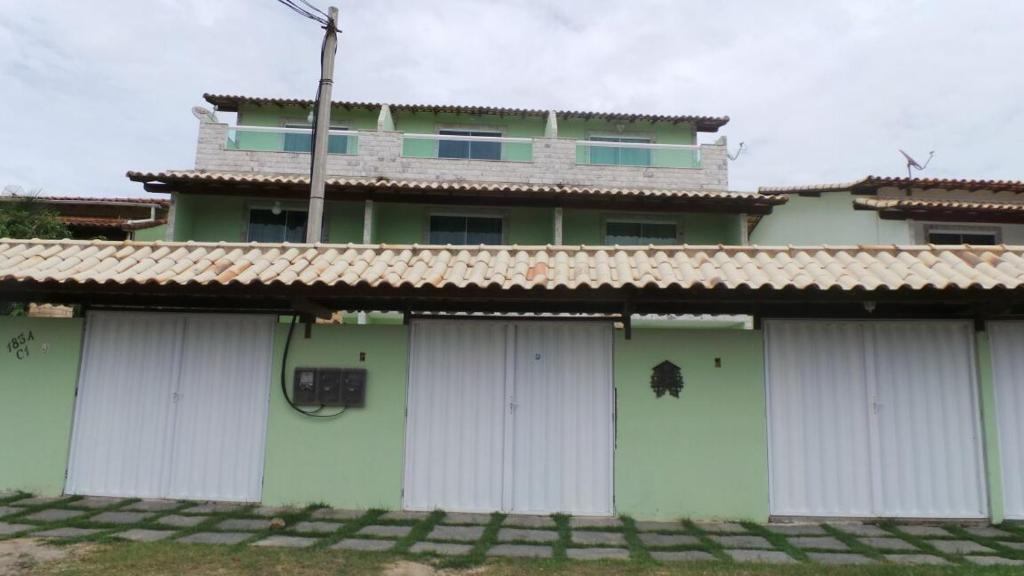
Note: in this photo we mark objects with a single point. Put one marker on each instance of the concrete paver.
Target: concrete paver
(8, 510)
(519, 534)
(153, 505)
(520, 551)
(364, 544)
(143, 535)
(840, 558)
(915, 559)
(528, 521)
(54, 515)
(684, 556)
(282, 541)
(67, 533)
(889, 544)
(922, 530)
(663, 540)
(317, 527)
(179, 521)
(389, 531)
(336, 514)
(817, 543)
(767, 556)
(994, 561)
(39, 500)
(460, 533)
(215, 538)
(441, 548)
(466, 518)
(121, 517)
(8, 529)
(248, 524)
(743, 542)
(797, 529)
(597, 553)
(594, 522)
(593, 538)
(97, 502)
(214, 508)
(869, 530)
(642, 526)
(721, 527)
(960, 546)
(403, 516)
(987, 532)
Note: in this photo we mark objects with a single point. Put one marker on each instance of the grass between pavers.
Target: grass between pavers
(854, 543)
(637, 551)
(923, 543)
(478, 554)
(778, 541)
(419, 531)
(994, 543)
(169, 558)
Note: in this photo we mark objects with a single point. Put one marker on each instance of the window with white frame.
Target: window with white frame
(464, 229)
(620, 156)
(640, 233)
(294, 142)
(962, 235)
(469, 149)
(276, 225)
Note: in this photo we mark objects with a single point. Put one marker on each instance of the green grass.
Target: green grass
(165, 558)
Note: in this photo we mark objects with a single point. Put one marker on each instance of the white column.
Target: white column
(367, 239)
(551, 130)
(558, 226)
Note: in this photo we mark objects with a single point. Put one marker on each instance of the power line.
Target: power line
(307, 10)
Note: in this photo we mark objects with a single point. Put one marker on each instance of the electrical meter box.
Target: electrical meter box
(344, 387)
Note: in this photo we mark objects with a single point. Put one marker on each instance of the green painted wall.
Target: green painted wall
(704, 454)
(990, 434)
(828, 219)
(151, 234)
(355, 460)
(37, 398)
(588, 226)
(224, 218)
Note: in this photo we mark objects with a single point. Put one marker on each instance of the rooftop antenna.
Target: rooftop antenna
(914, 164)
(204, 115)
(737, 154)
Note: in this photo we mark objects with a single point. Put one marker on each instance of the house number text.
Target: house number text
(18, 345)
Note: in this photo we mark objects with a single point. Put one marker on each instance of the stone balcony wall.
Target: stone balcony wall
(380, 155)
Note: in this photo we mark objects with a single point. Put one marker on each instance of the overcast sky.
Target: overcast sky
(819, 91)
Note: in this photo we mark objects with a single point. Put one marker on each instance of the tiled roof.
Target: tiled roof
(818, 268)
(101, 200)
(118, 223)
(962, 209)
(871, 184)
(231, 102)
(296, 180)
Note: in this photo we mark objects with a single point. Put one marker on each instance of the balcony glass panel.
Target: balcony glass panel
(289, 139)
(467, 145)
(603, 151)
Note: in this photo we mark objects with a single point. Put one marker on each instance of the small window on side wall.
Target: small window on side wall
(640, 233)
(285, 226)
(963, 236)
(465, 230)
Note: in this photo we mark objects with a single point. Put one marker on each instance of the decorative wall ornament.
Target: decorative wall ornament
(667, 377)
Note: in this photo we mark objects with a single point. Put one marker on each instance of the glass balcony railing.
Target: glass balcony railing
(603, 153)
(285, 139)
(494, 148)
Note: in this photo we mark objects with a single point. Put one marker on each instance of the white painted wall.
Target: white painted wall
(827, 219)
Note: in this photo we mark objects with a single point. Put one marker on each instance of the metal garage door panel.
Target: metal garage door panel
(123, 415)
(929, 436)
(562, 418)
(222, 403)
(456, 416)
(1007, 344)
(818, 420)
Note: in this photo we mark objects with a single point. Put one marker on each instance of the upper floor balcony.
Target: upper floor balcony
(472, 153)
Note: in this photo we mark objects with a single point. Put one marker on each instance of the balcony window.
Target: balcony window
(284, 226)
(618, 156)
(467, 148)
(336, 144)
(640, 233)
(963, 236)
(465, 230)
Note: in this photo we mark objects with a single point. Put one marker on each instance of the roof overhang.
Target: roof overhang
(474, 193)
(817, 281)
(870, 185)
(232, 103)
(943, 210)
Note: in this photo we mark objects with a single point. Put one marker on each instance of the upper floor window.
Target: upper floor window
(979, 237)
(640, 233)
(620, 156)
(284, 226)
(336, 143)
(469, 149)
(467, 230)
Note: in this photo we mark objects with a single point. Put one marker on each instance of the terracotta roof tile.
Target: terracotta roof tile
(841, 268)
(871, 184)
(966, 209)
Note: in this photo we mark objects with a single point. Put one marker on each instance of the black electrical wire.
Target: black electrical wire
(306, 10)
(284, 383)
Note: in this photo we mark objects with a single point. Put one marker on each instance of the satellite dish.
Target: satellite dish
(914, 164)
(205, 116)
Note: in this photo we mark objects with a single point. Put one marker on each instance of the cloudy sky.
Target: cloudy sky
(819, 91)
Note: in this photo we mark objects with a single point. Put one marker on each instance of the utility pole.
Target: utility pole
(315, 217)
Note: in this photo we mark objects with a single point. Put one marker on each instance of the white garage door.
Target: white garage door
(873, 419)
(172, 406)
(512, 416)
(1007, 344)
